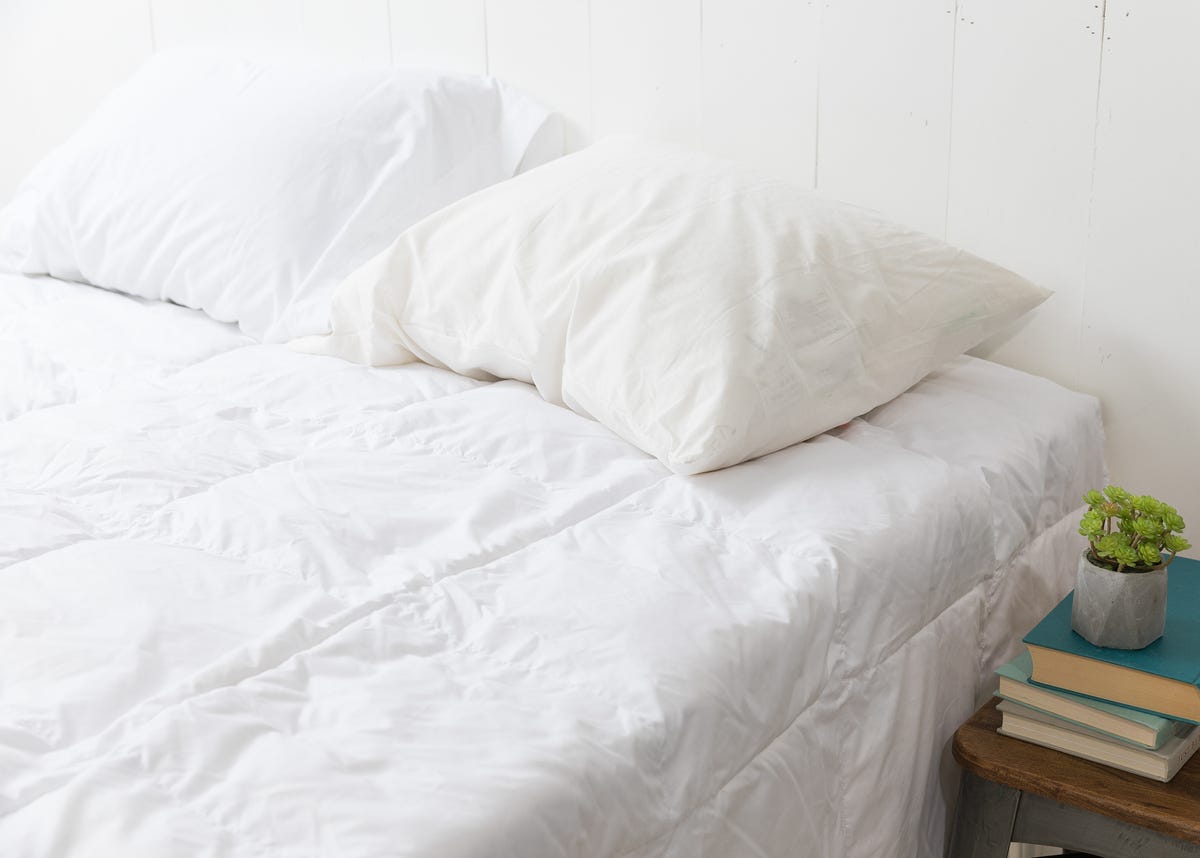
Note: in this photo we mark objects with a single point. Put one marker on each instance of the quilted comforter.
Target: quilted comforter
(258, 603)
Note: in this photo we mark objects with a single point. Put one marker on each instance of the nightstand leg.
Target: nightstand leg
(983, 825)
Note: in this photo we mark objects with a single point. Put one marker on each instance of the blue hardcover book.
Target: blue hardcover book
(1163, 678)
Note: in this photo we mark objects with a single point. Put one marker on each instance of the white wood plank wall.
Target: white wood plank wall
(1061, 139)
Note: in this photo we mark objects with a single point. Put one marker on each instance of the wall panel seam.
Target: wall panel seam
(1077, 370)
(153, 31)
(950, 122)
(816, 165)
(487, 42)
(387, 4)
(591, 75)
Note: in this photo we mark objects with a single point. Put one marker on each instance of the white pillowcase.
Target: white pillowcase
(706, 315)
(249, 189)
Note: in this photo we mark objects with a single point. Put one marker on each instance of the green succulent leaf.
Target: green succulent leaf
(1175, 543)
(1111, 544)
(1148, 553)
(1118, 495)
(1092, 524)
(1173, 521)
(1148, 505)
(1093, 498)
(1147, 527)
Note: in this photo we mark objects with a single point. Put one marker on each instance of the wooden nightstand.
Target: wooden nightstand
(1015, 791)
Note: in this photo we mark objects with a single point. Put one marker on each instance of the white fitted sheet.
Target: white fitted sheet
(254, 602)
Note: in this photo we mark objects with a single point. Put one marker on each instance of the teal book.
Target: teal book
(1163, 678)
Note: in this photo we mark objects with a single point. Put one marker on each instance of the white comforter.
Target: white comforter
(258, 603)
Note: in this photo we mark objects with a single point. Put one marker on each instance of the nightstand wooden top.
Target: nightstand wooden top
(1172, 809)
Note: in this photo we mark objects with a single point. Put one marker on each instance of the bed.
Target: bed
(255, 602)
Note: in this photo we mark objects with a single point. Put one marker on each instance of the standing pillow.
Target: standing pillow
(706, 315)
(249, 189)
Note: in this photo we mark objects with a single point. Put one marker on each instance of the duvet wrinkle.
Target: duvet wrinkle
(353, 614)
(120, 737)
(688, 813)
(142, 524)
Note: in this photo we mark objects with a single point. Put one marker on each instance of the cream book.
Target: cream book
(1021, 722)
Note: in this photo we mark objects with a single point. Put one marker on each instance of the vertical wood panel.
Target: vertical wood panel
(1141, 322)
(885, 107)
(350, 30)
(448, 34)
(1025, 82)
(759, 94)
(58, 59)
(646, 68)
(542, 46)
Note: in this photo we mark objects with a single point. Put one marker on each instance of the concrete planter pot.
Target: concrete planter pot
(1120, 610)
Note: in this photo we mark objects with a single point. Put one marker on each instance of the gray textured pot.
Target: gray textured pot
(1121, 610)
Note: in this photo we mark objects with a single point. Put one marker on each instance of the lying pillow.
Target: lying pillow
(705, 315)
(250, 189)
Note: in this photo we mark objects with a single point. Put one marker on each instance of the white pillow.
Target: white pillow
(249, 189)
(705, 315)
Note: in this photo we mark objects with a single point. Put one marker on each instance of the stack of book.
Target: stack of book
(1135, 710)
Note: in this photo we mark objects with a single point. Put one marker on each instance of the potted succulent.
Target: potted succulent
(1121, 584)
